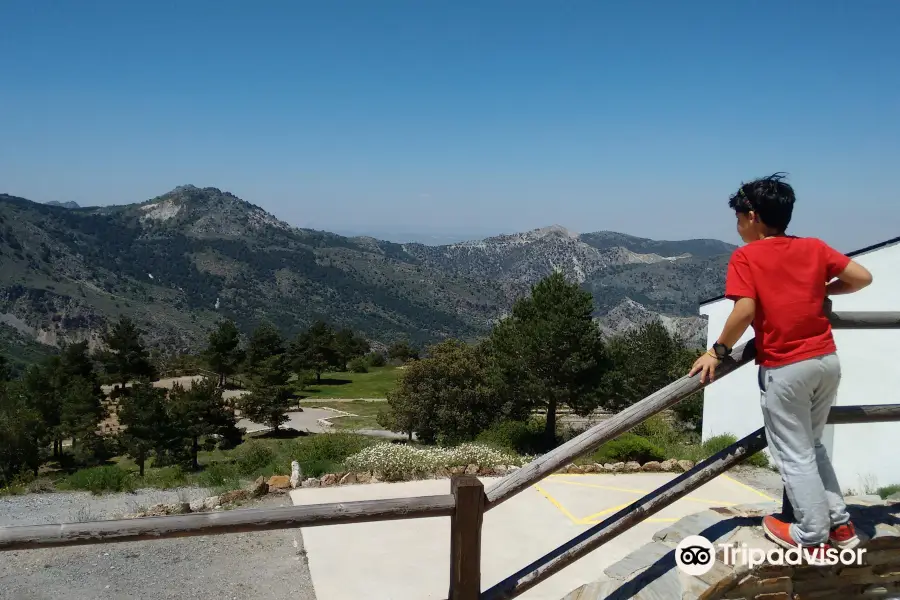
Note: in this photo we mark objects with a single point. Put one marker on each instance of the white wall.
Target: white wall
(863, 455)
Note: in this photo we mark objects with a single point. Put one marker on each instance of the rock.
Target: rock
(442, 472)
(458, 470)
(500, 470)
(575, 469)
(485, 470)
(617, 467)
(378, 476)
(895, 497)
(512, 468)
(157, 510)
(632, 466)
(179, 508)
(310, 482)
(296, 474)
(197, 505)
(211, 502)
(234, 496)
(348, 478)
(669, 465)
(651, 467)
(279, 482)
(471, 470)
(364, 477)
(258, 488)
(598, 468)
(685, 465)
(329, 479)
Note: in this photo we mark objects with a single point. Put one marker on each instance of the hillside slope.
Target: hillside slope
(179, 262)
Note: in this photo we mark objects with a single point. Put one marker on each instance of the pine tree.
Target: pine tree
(147, 427)
(549, 352)
(223, 354)
(265, 342)
(315, 350)
(270, 395)
(127, 358)
(200, 411)
(348, 345)
(22, 432)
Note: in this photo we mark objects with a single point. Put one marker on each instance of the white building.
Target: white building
(865, 456)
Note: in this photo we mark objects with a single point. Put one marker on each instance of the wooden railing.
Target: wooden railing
(468, 501)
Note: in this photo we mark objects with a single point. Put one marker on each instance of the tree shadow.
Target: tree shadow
(288, 433)
(329, 381)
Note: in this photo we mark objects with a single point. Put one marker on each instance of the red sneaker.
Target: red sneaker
(780, 532)
(844, 536)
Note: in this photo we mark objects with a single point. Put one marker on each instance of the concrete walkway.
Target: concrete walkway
(409, 560)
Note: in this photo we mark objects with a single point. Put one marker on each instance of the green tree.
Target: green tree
(127, 358)
(446, 397)
(315, 350)
(223, 353)
(645, 359)
(42, 385)
(549, 352)
(402, 351)
(265, 342)
(22, 432)
(270, 395)
(81, 396)
(147, 427)
(349, 345)
(200, 411)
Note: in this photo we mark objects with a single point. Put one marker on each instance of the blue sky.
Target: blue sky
(462, 117)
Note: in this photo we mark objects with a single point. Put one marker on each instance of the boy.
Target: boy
(780, 285)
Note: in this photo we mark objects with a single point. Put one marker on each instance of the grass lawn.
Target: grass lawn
(374, 384)
(367, 411)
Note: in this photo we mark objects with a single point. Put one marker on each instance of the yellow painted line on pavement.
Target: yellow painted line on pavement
(605, 512)
(745, 486)
(558, 505)
(642, 492)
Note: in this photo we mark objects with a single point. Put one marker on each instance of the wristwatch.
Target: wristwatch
(721, 350)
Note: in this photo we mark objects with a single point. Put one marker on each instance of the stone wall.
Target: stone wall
(650, 573)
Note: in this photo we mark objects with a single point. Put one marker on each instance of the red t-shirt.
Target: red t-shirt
(787, 277)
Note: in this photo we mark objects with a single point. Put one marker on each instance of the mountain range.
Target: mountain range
(179, 262)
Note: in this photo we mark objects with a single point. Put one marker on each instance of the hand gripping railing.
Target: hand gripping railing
(467, 503)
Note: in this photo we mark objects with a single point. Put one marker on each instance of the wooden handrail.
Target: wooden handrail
(662, 497)
(231, 521)
(865, 320)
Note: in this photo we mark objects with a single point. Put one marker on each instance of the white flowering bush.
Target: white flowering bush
(399, 461)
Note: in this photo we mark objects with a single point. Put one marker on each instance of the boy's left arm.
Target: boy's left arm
(738, 287)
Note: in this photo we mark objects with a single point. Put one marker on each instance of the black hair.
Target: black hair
(769, 197)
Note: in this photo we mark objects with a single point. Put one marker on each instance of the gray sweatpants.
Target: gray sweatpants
(795, 400)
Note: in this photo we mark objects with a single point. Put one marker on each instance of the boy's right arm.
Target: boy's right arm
(853, 278)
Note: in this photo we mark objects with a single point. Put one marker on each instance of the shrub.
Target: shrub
(101, 479)
(255, 456)
(400, 461)
(889, 490)
(718, 443)
(521, 437)
(219, 475)
(376, 359)
(326, 451)
(358, 365)
(628, 447)
(164, 478)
